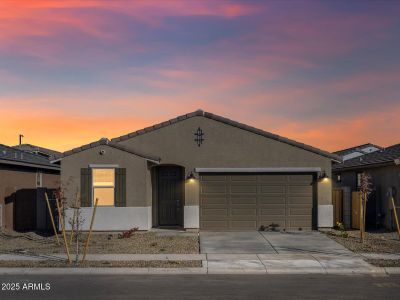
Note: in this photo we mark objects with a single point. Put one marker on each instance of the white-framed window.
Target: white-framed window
(103, 182)
(39, 179)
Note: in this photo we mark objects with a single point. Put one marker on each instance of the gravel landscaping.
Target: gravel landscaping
(384, 262)
(102, 243)
(375, 242)
(104, 264)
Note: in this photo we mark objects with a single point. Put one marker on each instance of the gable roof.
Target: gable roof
(201, 113)
(107, 142)
(384, 156)
(355, 148)
(33, 148)
(12, 156)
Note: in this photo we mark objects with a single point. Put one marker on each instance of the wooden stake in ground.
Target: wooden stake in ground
(361, 217)
(63, 231)
(52, 219)
(90, 231)
(396, 218)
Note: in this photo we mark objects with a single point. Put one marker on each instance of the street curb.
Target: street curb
(194, 271)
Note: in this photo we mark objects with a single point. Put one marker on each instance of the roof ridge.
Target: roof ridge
(225, 120)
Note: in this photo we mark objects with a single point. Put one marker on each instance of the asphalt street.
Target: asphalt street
(201, 287)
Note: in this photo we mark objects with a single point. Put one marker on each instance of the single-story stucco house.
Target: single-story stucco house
(200, 171)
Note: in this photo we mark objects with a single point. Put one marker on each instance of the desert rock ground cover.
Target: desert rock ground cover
(104, 264)
(102, 243)
(375, 242)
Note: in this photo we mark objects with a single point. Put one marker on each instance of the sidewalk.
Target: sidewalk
(215, 264)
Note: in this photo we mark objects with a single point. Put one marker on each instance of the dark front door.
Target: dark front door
(170, 196)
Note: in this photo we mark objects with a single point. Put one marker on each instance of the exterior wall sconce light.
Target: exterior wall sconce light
(190, 177)
(322, 176)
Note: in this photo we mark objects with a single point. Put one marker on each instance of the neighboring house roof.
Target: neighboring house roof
(385, 156)
(12, 156)
(231, 123)
(356, 149)
(107, 142)
(39, 150)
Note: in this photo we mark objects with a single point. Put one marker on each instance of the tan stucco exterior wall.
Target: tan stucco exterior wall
(137, 191)
(224, 146)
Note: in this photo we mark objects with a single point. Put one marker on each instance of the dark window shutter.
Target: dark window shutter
(86, 187)
(120, 187)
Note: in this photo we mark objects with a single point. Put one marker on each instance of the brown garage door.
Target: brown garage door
(245, 202)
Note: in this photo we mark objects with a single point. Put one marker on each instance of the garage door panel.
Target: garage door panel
(299, 189)
(214, 188)
(266, 200)
(214, 212)
(243, 178)
(243, 189)
(235, 200)
(298, 200)
(244, 212)
(273, 211)
(213, 178)
(245, 202)
(272, 189)
(211, 201)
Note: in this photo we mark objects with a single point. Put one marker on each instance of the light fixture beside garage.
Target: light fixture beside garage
(323, 176)
(191, 177)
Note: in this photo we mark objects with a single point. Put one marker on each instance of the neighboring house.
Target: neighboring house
(200, 171)
(22, 170)
(50, 154)
(384, 168)
(357, 151)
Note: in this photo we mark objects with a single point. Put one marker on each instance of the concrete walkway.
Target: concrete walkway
(230, 263)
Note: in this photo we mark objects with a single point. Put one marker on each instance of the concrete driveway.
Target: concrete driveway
(254, 242)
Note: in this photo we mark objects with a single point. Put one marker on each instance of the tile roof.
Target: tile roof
(355, 148)
(107, 142)
(386, 155)
(231, 123)
(10, 155)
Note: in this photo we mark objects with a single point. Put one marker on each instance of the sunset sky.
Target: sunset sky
(323, 73)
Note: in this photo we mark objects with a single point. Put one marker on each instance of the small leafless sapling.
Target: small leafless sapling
(365, 189)
(76, 222)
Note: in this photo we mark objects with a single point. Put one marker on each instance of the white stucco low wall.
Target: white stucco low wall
(191, 216)
(113, 218)
(325, 216)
